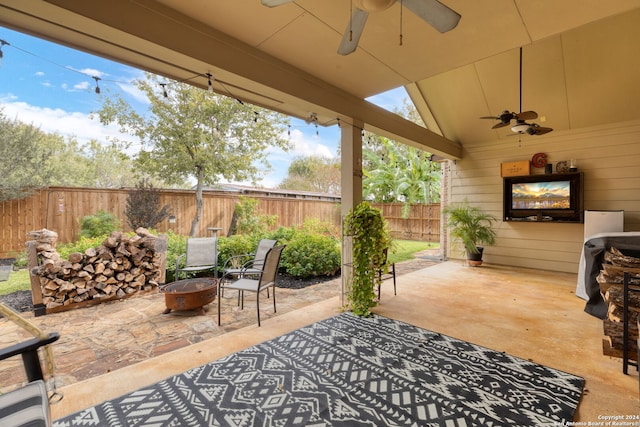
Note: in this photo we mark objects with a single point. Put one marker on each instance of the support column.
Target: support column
(351, 194)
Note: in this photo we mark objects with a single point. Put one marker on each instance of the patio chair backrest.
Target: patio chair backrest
(271, 264)
(202, 251)
(264, 246)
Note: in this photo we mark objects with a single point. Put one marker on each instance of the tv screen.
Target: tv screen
(541, 195)
(547, 197)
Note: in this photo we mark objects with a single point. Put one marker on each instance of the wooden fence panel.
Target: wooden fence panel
(61, 208)
(421, 223)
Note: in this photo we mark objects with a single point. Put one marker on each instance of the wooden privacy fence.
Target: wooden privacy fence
(422, 222)
(61, 208)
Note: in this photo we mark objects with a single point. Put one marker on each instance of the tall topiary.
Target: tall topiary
(371, 241)
(143, 206)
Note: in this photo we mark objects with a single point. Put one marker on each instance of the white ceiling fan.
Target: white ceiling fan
(439, 16)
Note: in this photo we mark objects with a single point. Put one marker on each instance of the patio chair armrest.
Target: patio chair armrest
(233, 257)
(28, 346)
(180, 258)
(29, 352)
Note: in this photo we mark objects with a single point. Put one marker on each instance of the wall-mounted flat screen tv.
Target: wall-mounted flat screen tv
(549, 197)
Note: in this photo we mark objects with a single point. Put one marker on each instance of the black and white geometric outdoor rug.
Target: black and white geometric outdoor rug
(350, 371)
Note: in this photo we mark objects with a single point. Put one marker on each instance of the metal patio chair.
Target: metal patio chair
(201, 255)
(266, 279)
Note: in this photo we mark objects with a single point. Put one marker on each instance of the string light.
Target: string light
(209, 77)
(312, 119)
(97, 86)
(164, 90)
(3, 43)
(401, 8)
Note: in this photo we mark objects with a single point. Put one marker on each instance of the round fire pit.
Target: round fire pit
(189, 294)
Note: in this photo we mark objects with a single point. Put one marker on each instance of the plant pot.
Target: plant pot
(475, 260)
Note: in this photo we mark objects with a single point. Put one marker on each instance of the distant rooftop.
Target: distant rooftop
(274, 192)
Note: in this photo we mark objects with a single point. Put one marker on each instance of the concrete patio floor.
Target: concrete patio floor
(527, 313)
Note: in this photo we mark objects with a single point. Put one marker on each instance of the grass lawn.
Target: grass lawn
(404, 250)
(18, 281)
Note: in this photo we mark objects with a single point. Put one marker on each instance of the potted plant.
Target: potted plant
(371, 241)
(472, 227)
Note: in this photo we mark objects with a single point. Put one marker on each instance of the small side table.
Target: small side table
(214, 230)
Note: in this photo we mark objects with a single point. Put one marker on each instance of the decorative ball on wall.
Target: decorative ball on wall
(539, 160)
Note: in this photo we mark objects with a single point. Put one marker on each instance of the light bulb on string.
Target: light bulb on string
(97, 90)
(164, 91)
(3, 43)
(209, 82)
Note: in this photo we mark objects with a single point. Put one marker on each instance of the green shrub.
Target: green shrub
(176, 246)
(281, 234)
(308, 255)
(80, 245)
(248, 221)
(237, 244)
(100, 224)
(316, 226)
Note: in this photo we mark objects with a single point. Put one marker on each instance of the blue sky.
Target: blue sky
(52, 87)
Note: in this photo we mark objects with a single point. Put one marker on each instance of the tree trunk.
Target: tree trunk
(199, 204)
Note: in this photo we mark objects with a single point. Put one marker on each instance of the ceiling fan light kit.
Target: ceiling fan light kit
(521, 127)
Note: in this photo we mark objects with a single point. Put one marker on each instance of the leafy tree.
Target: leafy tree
(247, 220)
(35, 159)
(313, 173)
(401, 174)
(196, 135)
(21, 158)
(143, 206)
(110, 166)
(395, 172)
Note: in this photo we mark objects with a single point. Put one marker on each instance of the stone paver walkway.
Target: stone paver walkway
(102, 338)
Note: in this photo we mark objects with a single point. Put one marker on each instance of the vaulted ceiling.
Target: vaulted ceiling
(580, 58)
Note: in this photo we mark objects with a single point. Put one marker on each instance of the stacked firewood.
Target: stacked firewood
(122, 265)
(610, 280)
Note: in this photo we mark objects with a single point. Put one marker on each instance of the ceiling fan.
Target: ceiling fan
(521, 126)
(439, 16)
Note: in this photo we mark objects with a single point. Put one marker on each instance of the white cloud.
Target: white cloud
(55, 120)
(90, 72)
(134, 92)
(81, 86)
(307, 145)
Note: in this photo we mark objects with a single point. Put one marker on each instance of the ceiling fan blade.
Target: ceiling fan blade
(527, 115)
(353, 32)
(274, 3)
(541, 131)
(439, 16)
(500, 125)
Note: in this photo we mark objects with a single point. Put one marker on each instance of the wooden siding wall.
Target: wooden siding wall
(608, 155)
(61, 208)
